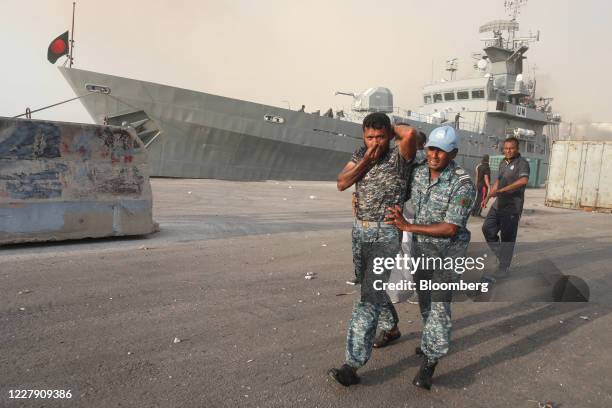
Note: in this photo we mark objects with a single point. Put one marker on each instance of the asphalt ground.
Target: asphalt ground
(225, 277)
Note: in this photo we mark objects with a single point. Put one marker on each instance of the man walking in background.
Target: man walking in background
(501, 225)
(398, 275)
(483, 183)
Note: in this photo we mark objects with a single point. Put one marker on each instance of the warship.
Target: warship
(190, 134)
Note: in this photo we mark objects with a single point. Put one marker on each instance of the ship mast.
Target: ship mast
(70, 58)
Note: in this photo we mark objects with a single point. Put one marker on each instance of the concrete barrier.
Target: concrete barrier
(68, 181)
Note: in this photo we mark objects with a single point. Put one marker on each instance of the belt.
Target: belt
(372, 224)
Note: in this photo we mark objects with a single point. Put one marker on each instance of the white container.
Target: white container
(580, 175)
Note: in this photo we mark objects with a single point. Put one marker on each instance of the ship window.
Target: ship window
(449, 96)
(437, 98)
(463, 95)
(477, 93)
(427, 99)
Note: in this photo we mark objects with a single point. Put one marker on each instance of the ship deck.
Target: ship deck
(225, 275)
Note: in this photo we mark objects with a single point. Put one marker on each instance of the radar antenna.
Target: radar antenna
(511, 27)
(513, 7)
(451, 66)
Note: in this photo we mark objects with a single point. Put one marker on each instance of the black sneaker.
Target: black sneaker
(423, 376)
(345, 375)
(386, 336)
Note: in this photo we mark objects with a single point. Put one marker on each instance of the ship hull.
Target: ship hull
(209, 136)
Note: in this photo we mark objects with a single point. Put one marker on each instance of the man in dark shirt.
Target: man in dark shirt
(483, 183)
(501, 225)
(381, 170)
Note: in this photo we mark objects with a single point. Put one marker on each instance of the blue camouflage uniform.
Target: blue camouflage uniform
(384, 185)
(446, 200)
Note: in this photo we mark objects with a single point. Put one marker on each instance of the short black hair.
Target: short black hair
(377, 120)
(514, 140)
(421, 138)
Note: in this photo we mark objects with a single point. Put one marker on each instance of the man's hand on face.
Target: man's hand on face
(396, 218)
(373, 153)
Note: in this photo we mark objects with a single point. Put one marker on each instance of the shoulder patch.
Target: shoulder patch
(462, 176)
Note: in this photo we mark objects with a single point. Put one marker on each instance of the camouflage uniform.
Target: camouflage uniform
(383, 186)
(448, 199)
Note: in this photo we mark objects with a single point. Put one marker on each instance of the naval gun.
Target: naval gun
(377, 99)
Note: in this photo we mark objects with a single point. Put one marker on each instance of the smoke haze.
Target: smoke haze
(292, 53)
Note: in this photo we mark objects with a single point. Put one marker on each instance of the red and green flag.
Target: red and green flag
(58, 48)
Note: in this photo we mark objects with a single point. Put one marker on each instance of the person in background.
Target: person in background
(501, 225)
(397, 275)
(483, 183)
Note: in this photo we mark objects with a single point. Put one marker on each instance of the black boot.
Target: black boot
(423, 377)
(418, 351)
(345, 375)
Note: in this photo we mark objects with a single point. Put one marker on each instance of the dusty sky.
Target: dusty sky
(298, 51)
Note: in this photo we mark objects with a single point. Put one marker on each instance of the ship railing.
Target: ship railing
(434, 120)
(420, 117)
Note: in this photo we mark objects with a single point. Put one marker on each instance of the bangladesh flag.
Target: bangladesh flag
(58, 48)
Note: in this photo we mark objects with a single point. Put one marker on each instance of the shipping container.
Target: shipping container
(579, 175)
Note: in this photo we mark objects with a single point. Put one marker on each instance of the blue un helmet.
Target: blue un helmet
(444, 138)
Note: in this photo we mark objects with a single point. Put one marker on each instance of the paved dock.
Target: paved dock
(225, 278)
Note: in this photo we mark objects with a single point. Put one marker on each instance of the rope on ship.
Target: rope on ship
(28, 113)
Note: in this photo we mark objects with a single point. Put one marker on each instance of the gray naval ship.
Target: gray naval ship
(192, 134)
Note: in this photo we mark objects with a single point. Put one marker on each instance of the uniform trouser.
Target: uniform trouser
(386, 235)
(500, 232)
(481, 193)
(369, 313)
(435, 310)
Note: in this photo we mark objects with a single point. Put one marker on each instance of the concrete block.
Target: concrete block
(63, 180)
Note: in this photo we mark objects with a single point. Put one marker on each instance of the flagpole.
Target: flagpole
(72, 35)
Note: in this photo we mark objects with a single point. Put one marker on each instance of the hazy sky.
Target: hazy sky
(298, 51)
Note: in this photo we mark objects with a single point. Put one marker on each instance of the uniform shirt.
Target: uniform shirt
(384, 185)
(448, 199)
(482, 170)
(509, 172)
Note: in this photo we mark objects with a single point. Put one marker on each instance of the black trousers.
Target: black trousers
(481, 193)
(500, 232)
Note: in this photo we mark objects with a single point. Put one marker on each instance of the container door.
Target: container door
(591, 175)
(556, 173)
(604, 198)
(574, 162)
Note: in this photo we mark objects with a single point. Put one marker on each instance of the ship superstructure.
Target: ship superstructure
(198, 135)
